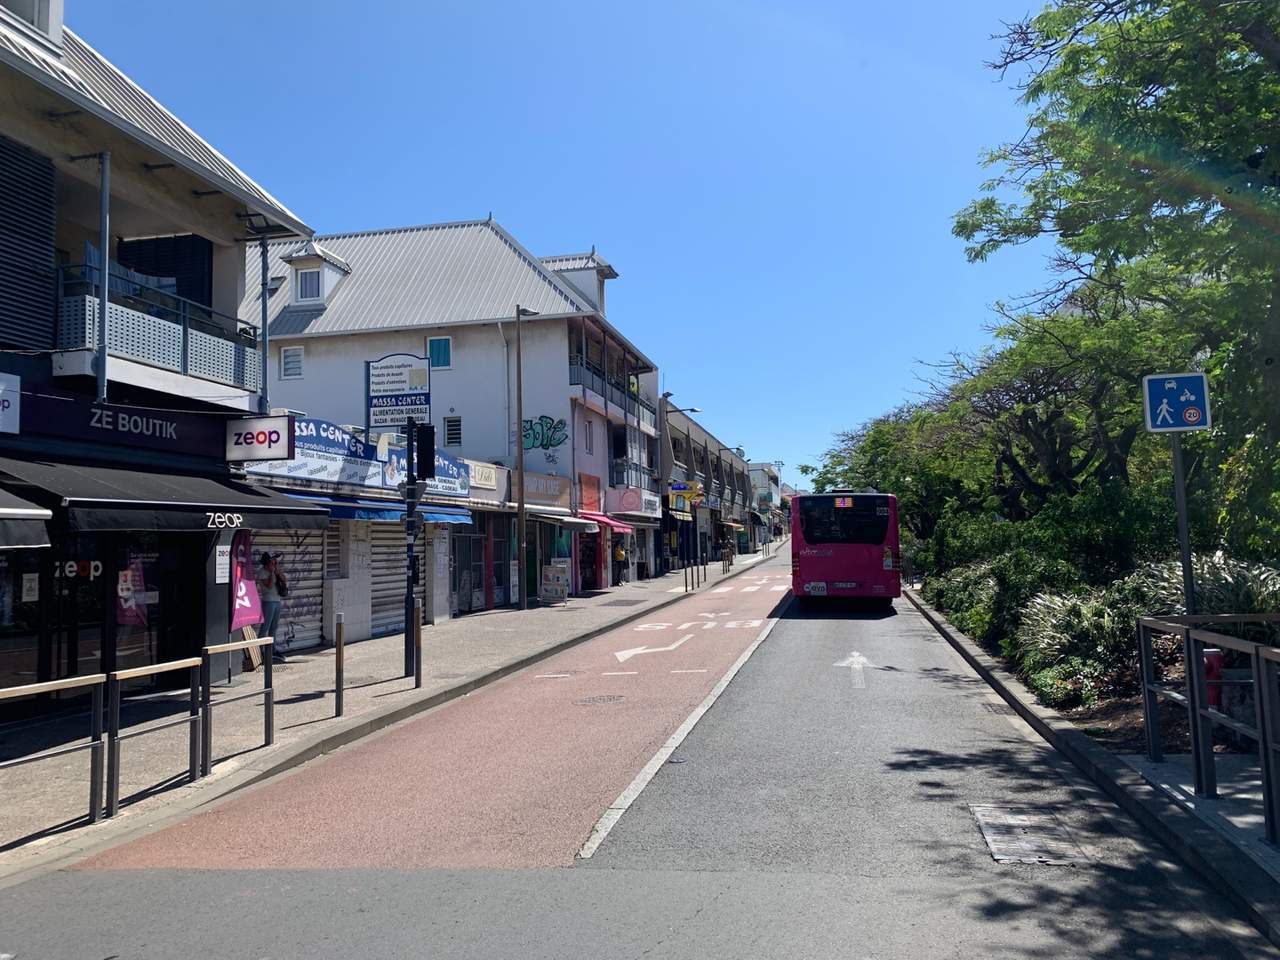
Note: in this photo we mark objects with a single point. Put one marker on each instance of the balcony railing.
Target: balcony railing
(157, 328)
(625, 474)
(584, 372)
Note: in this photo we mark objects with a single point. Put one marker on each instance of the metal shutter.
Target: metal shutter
(333, 551)
(26, 248)
(302, 558)
(386, 581)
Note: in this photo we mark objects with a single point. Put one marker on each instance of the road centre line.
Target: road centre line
(552, 676)
(690, 671)
(619, 673)
(628, 796)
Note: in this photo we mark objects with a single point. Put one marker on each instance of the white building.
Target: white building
(450, 292)
(766, 492)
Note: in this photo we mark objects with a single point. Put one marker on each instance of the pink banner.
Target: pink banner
(246, 605)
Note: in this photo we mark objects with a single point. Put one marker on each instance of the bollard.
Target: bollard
(113, 745)
(417, 642)
(268, 696)
(193, 733)
(206, 710)
(95, 756)
(339, 649)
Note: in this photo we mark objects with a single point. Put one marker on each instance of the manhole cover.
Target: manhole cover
(622, 603)
(603, 698)
(1002, 709)
(1026, 835)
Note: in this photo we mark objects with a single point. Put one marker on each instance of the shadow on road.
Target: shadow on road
(836, 608)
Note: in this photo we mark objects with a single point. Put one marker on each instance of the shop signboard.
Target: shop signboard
(452, 479)
(633, 500)
(546, 489)
(246, 605)
(555, 582)
(326, 453)
(397, 388)
(589, 487)
(54, 413)
(10, 403)
(483, 475)
(260, 438)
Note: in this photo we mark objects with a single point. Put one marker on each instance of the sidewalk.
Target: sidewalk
(44, 807)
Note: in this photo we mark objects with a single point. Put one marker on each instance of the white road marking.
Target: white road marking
(619, 673)
(676, 590)
(625, 655)
(688, 671)
(722, 589)
(856, 662)
(628, 796)
(751, 589)
(553, 676)
(779, 588)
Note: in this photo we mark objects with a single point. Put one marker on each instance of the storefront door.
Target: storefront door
(158, 606)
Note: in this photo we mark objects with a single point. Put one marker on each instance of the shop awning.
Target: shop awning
(348, 508)
(104, 498)
(732, 525)
(643, 524)
(569, 523)
(22, 523)
(434, 513)
(755, 516)
(617, 526)
(681, 515)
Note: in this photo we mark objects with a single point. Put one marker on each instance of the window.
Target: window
(862, 519)
(34, 12)
(453, 431)
(589, 436)
(308, 284)
(291, 363)
(440, 350)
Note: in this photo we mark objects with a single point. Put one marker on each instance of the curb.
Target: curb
(1228, 868)
(309, 748)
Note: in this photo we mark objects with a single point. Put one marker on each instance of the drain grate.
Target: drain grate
(1000, 709)
(602, 698)
(622, 603)
(1026, 835)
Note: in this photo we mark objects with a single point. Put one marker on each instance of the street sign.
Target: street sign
(397, 389)
(1176, 402)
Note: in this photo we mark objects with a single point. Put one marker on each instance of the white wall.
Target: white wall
(332, 385)
(595, 463)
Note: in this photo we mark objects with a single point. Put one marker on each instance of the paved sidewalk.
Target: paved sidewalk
(45, 803)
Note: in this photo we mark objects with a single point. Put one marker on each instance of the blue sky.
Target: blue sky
(773, 181)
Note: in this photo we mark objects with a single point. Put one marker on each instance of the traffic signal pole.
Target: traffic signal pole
(410, 535)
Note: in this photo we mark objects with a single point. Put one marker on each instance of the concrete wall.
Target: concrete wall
(476, 387)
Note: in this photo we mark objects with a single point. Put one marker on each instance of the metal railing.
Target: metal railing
(94, 743)
(114, 736)
(631, 474)
(156, 327)
(206, 695)
(1201, 702)
(583, 372)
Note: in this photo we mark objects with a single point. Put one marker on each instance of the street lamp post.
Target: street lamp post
(522, 545)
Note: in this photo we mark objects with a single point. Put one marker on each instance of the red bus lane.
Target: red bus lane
(514, 775)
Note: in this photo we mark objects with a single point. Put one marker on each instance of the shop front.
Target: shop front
(551, 529)
(642, 512)
(137, 570)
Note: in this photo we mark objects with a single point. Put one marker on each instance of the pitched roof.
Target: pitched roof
(86, 78)
(422, 276)
(580, 261)
(313, 249)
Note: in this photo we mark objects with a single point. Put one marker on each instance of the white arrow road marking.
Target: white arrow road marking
(856, 662)
(625, 655)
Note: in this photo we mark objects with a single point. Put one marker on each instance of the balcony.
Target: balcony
(156, 328)
(583, 372)
(626, 474)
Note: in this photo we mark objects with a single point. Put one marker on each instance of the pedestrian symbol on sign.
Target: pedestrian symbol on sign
(1176, 402)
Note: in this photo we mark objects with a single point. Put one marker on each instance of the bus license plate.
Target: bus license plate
(848, 585)
(816, 588)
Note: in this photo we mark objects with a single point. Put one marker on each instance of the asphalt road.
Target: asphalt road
(820, 808)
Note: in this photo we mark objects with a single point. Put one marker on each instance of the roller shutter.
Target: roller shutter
(302, 559)
(26, 248)
(387, 559)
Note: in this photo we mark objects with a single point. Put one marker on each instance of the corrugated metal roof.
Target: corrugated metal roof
(88, 79)
(313, 249)
(416, 276)
(580, 261)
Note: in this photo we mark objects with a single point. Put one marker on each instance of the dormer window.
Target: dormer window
(309, 284)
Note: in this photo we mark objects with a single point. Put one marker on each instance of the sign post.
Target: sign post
(1176, 403)
(397, 396)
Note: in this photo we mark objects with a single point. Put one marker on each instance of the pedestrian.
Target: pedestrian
(273, 586)
(619, 563)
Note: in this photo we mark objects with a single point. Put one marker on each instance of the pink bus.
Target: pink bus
(845, 544)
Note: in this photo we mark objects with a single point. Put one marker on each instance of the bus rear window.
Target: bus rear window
(866, 521)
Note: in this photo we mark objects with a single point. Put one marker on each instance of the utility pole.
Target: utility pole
(521, 543)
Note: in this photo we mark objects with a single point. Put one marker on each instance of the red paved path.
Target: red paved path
(515, 775)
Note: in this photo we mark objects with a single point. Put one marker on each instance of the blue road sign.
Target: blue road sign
(1176, 402)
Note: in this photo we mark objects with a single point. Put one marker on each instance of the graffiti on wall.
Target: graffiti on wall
(544, 433)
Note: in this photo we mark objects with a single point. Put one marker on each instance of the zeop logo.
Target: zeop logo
(256, 438)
